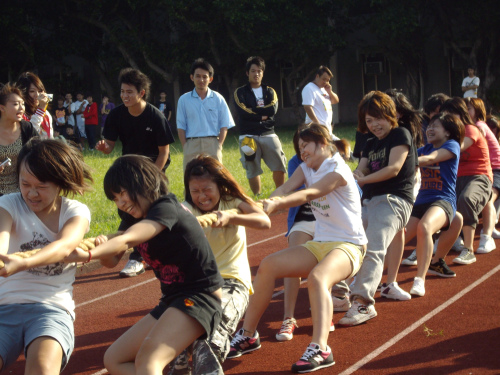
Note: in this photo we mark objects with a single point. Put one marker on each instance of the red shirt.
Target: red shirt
(475, 160)
(90, 114)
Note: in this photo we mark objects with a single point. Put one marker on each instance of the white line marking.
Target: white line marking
(102, 372)
(267, 239)
(417, 324)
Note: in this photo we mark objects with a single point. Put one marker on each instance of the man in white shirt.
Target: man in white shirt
(318, 98)
(80, 105)
(470, 84)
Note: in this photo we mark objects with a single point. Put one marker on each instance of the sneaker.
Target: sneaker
(394, 291)
(380, 286)
(411, 260)
(440, 268)
(341, 303)
(466, 257)
(495, 234)
(458, 245)
(357, 314)
(286, 330)
(332, 327)
(132, 268)
(242, 344)
(313, 359)
(418, 288)
(486, 244)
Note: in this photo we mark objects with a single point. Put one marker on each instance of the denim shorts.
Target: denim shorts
(23, 323)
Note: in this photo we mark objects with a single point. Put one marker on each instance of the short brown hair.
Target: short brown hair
(322, 70)
(378, 105)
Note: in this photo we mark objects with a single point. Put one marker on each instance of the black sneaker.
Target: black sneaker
(313, 359)
(440, 268)
(241, 344)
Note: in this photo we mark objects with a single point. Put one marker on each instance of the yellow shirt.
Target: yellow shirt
(229, 245)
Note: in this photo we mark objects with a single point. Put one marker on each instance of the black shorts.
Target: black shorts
(420, 210)
(201, 306)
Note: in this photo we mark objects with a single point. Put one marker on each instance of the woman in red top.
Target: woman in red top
(35, 103)
(91, 122)
(474, 178)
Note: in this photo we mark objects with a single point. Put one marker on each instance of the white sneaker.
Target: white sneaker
(132, 268)
(495, 234)
(341, 303)
(286, 330)
(357, 314)
(486, 244)
(411, 260)
(418, 288)
(466, 257)
(394, 291)
(458, 246)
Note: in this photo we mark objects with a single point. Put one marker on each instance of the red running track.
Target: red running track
(454, 329)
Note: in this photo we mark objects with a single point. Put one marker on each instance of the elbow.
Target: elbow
(266, 223)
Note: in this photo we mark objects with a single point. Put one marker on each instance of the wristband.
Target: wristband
(90, 258)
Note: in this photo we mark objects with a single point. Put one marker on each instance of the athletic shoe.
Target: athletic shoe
(495, 234)
(418, 288)
(242, 344)
(132, 268)
(286, 330)
(458, 245)
(486, 244)
(380, 286)
(341, 303)
(466, 257)
(332, 327)
(357, 314)
(411, 260)
(440, 268)
(313, 359)
(394, 291)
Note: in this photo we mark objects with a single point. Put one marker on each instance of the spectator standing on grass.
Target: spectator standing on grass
(164, 106)
(470, 84)
(318, 98)
(203, 116)
(143, 130)
(14, 133)
(91, 122)
(256, 105)
(80, 105)
(104, 109)
(36, 101)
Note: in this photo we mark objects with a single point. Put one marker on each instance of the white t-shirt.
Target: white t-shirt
(338, 214)
(71, 116)
(468, 82)
(51, 284)
(259, 96)
(80, 120)
(319, 99)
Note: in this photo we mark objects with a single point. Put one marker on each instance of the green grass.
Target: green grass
(104, 214)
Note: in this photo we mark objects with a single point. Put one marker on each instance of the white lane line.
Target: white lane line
(154, 278)
(417, 324)
(102, 372)
(267, 239)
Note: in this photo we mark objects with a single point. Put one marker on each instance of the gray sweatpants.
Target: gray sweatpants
(383, 216)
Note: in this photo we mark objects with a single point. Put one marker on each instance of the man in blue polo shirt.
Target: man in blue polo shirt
(203, 116)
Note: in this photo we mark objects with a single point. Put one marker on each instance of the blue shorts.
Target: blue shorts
(23, 323)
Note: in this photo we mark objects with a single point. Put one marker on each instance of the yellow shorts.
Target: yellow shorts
(320, 250)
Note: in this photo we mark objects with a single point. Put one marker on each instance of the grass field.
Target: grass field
(104, 215)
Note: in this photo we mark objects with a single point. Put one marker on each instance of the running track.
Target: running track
(454, 329)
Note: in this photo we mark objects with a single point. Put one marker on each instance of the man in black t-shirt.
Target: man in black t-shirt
(164, 106)
(142, 129)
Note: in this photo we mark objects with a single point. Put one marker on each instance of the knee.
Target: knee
(423, 229)
(266, 267)
(315, 281)
(110, 361)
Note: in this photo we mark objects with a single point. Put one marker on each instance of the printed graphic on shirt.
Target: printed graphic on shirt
(168, 274)
(318, 206)
(38, 242)
(377, 159)
(431, 178)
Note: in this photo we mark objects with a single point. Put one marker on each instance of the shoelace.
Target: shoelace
(288, 324)
(310, 352)
(237, 339)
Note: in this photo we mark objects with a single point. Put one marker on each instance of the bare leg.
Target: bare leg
(448, 237)
(336, 266)
(279, 178)
(489, 214)
(292, 285)
(469, 237)
(394, 255)
(254, 183)
(433, 220)
(44, 357)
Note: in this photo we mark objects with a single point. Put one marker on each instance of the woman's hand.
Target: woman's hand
(43, 100)
(12, 264)
(269, 206)
(100, 239)
(223, 219)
